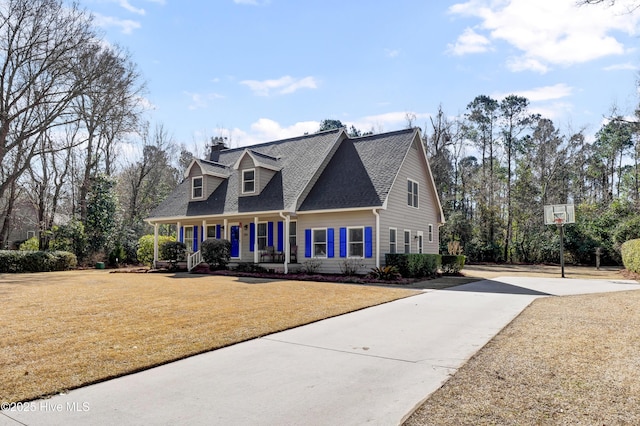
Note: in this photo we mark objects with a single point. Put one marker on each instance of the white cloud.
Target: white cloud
(547, 32)
(469, 42)
(126, 25)
(622, 67)
(283, 85)
(201, 100)
(128, 6)
(266, 130)
(540, 94)
(391, 53)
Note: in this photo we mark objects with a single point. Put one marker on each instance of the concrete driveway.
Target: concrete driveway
(372, 366)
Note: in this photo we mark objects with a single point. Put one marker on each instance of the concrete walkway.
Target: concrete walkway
(372, 366)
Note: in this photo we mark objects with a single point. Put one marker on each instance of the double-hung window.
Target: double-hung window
(249, 181)
(412, 193)
(356, 242)
(319, 243)
(430, 234)
(420, 236)
(188, 237)
(196, 187)
(262, 236)
(293, 231)
(393, 240)
(407, 241)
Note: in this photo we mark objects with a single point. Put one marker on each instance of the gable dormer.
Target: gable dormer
(205, 177)
(255, 170)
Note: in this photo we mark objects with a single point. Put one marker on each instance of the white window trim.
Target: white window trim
(313, 242)
(395, 243)
(292, 235)
(193, 237)
(266, 235)
(420, 241)
(430, 233)
(255, 181)
(349, 242)
(415, 198)
(404, 241)
(193, 179)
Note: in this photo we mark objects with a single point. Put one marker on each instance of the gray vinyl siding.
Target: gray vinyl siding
(401, 216)
(209, 183)
(336, 221)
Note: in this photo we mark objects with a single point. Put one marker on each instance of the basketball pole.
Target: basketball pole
(561, 228)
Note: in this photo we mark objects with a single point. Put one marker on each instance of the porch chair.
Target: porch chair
(269, 252)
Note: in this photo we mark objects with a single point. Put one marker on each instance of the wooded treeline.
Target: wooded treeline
(497, 165)
(69, 103)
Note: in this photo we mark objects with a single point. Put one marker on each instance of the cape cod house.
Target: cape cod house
(325, 196)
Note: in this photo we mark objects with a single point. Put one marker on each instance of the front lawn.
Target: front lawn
(63, 330)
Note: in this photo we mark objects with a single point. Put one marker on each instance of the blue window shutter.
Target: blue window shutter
(270, 234)
(195, 238)
(181, 234)
(280, 236)
(343, 242)
(307, 243)
(330, 242)
(368, 241)
(252, 235)
(218, 231)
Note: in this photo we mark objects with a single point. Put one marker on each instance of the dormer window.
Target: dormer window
(196, 187)
(249, 181)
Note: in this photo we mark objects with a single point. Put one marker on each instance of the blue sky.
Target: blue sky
(260, 70)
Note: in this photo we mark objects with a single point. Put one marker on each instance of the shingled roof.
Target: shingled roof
(322, 171)
(300, 160)
(361, 172)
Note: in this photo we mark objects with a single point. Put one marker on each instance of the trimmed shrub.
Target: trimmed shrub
(452, 264)
(145, 247)
(631, 255)
(173, 251)
(32, 244)
(217, 253)
(36, 261)
(414, 265)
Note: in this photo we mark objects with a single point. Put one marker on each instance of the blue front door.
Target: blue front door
(235, 241)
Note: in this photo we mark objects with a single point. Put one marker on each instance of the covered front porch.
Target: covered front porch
(269, 240)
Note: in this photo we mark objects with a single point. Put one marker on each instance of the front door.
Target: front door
(235, 241)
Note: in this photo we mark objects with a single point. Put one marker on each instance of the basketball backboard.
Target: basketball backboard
(559, 214)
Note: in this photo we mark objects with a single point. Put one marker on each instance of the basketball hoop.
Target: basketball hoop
(559, 221)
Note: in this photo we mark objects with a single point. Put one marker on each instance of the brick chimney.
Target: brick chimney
(217, 145)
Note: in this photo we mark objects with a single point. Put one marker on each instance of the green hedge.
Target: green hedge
(630, 251)
(452, 264)
(413, 265)
(36, 261)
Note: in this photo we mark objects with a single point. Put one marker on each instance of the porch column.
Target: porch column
(256, 257)
(225, 226)
(155, 244)
(377, 215)
(179, 227)
(204, 230)
(287, 243)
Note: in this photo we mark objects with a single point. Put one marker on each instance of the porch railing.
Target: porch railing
(194, 260)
